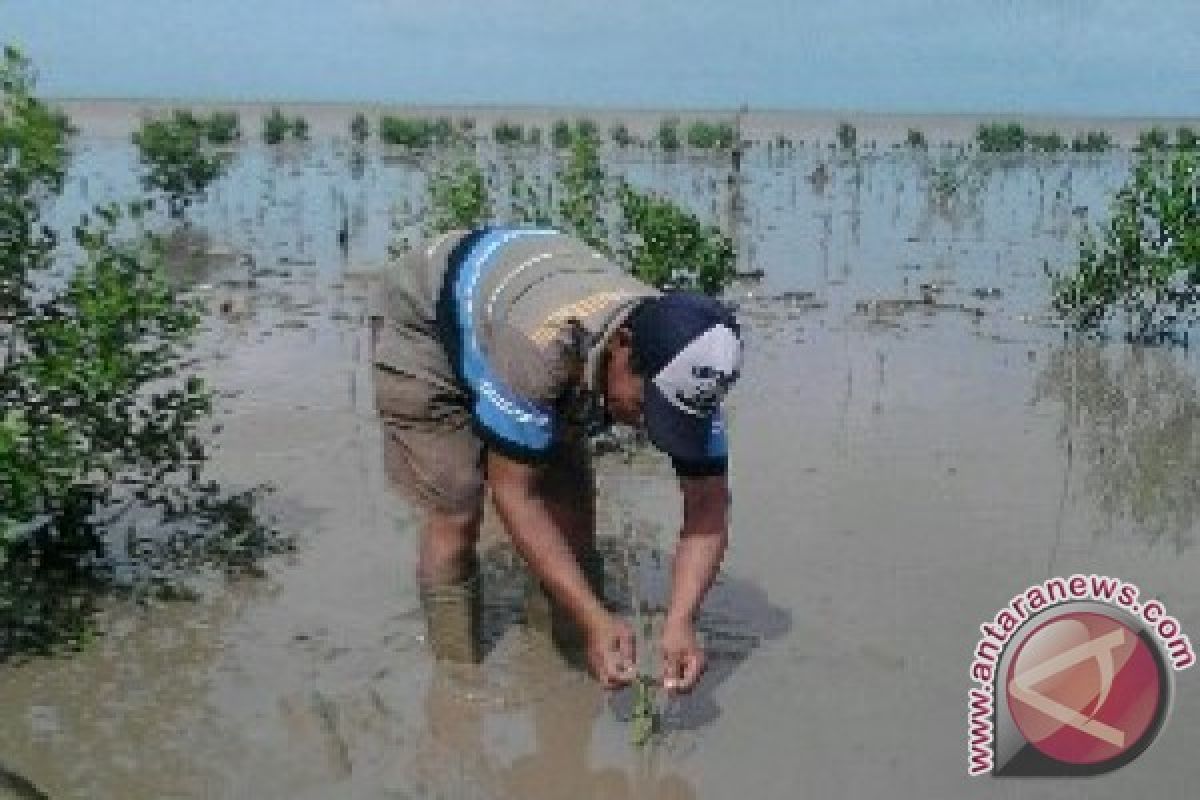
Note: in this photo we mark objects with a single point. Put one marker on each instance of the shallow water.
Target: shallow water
(899, 471)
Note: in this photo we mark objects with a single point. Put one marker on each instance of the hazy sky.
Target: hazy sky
(1053, 56)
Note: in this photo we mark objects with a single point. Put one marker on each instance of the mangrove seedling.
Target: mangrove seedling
(178, 158)
(1150, 140)
(275, 127)
(1001, 137)
(418, 134)
(705, 135)
(1051, 142)
(584, 192)
(916, 140)
(1092, 142)
(586, 128)
(458, 197)
(508, 133)
(668, 246)
(847, 136)
(1186, 138)
(224, 127)
(360, 129)
(620, 135)
(1149, 255)
(645, 720)
(560, 134)
(300, 129)
(668, 134)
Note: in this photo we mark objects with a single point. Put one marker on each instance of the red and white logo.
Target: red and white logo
(1084, 688)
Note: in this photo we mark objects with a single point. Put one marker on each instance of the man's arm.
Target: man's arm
(525, 511)
(698, 556)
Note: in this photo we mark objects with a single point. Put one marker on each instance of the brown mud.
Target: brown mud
(901, 467)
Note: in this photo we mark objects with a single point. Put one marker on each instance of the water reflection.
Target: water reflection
(1132, 415)
(567, 717)
(559, 763)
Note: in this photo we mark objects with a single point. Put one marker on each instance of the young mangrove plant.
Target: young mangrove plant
(1147, 262)
(916, 140)
(458, 196)
(224, 127)
(1092, 142)
(1001, 137)
(620, 135)
(299, 128)
(508, 133)
(560, 134)
(275, 127)
(1155, 138)
(1051, 142)
(1186, 138)
(668, 134)
(584, 191)
(587, 129)
(847, 136)
(99, 418)
(360, 129)
(414, 133)
(178, 158)
(669, 247)
(704, 135)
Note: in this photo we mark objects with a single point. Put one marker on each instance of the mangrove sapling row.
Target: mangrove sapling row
(661, 242)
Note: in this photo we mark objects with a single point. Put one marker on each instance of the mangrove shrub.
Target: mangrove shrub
(178, 157)
(1148, 258)
(669, 247)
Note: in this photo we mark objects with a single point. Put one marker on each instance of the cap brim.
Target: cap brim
(677, 433)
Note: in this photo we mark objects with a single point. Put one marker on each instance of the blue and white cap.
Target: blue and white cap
(689, 349)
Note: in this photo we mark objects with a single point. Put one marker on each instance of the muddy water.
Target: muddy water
(913, 443)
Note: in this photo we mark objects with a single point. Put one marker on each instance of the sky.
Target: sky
(1090, 57)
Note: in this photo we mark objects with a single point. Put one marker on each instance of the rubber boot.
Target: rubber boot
(452, 619)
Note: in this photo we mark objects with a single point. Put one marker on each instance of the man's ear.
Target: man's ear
(623, 337)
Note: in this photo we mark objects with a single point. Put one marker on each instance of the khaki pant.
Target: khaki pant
(431, 452)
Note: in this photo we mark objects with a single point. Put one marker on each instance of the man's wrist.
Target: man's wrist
(595, 619)
(678, 619)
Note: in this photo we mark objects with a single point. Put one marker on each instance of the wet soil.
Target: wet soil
(905, 459)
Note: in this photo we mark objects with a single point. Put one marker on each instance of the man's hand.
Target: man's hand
(682, 658)
(698, 555)
(611, 657)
